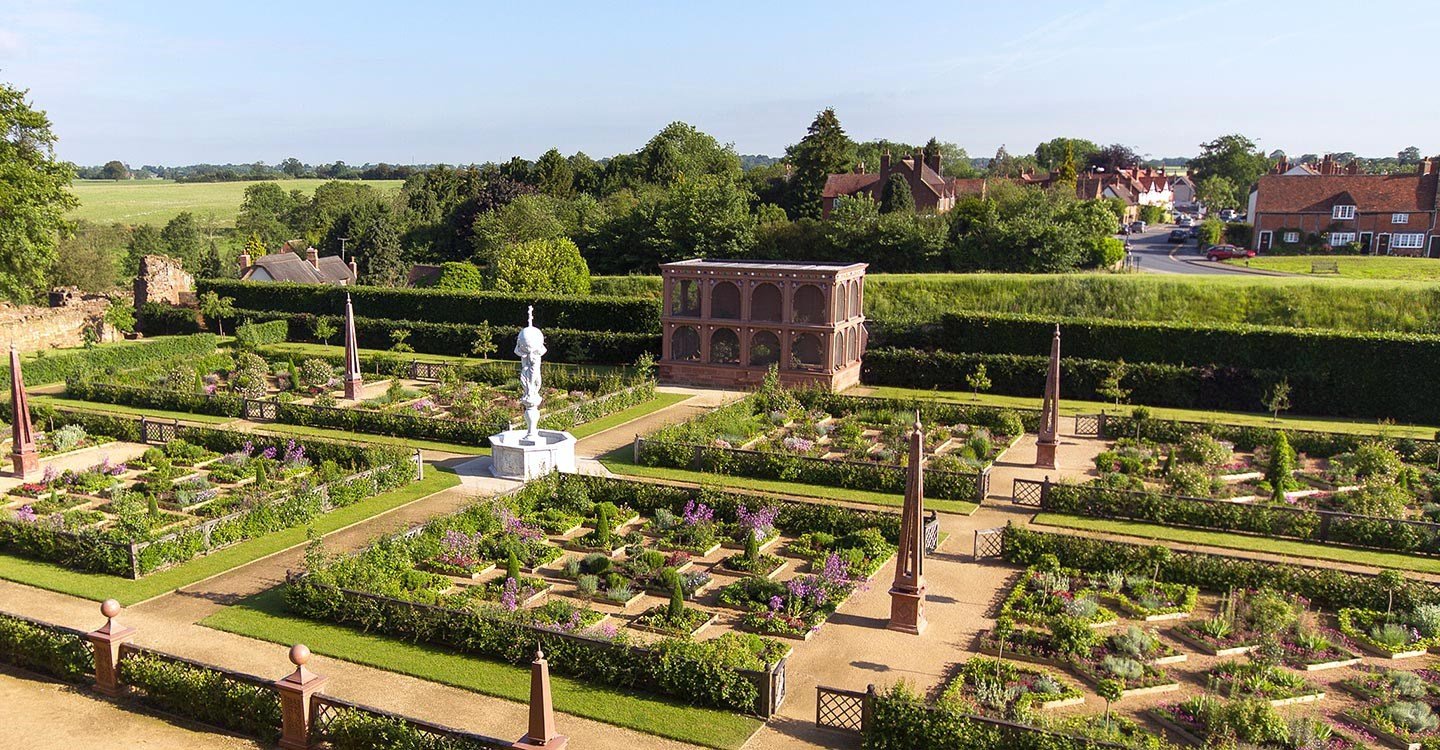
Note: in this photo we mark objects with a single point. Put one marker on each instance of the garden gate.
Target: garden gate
(427, 370)
(1090, 425)
(260, 411)
(989, 542)
(932, 532)
(159, 433)
(845, 710)
(1029, 492)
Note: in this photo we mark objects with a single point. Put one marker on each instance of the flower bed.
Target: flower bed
(686, 622)
(1382, 634)
(1399, 723)
(1262, 681)
(1042, 594)
(1252, 722)
(992, 687)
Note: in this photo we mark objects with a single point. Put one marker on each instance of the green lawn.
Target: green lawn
(158, 201)
(1070, 406)
(99, 586)
(637, 411)
(70, 403)
(365, 437)
(619, 461)
(265, 617)
(1229, 540)
(320, 350)
(1352, 266)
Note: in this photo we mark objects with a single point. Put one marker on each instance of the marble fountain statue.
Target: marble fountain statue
(531, 452)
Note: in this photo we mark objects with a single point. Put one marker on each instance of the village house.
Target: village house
(932, 192)
(1387, 214)
(288, 266)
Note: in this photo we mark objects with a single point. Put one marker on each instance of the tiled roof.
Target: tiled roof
(848, 184)
(293, 268)
(1368, 193)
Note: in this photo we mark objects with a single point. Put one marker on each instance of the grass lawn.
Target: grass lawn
(1352, 266)
(264, 616)
(619, 461)
(69, 403)
(1229, 540)
(99, 586)
(1069, 406)
(158, 201)
(637, 411)
(365, 437)
(320, 350)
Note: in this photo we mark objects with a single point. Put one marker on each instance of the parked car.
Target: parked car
(1226, 252)
(1179, 235)
(1184, 221)
(1137, 226)
(1227, 214)
(1193, 232)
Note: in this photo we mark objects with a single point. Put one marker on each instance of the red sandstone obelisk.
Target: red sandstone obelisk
(542, 733)
(26, 459)
(907, 593)
(352, 355)
(1050, 409)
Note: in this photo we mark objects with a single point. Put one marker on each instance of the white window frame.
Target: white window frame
(1341, 238)
(1291, 238)
(1343, 213)
(1399, 218)
(1407, 240)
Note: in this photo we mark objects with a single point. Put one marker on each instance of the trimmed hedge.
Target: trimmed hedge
(458, 339)
(1326, 587)
(52, 651)
(353, 729)
(592, 313)
(251, 335)
(160, 319)
(204, 694)
(1314, 443)
(50, 367)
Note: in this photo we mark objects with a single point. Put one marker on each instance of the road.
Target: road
(1158, 256)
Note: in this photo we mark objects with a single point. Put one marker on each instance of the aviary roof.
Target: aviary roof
(1368, 193)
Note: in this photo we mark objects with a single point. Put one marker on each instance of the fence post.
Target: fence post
(295, 690)
(419, 465)
(1045, 491)
(1100, 425)
(635, 450)
(867, 709)
(106, 642)
(982, 485)
(134, 561)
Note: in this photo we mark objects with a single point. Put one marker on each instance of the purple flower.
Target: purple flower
(268, 453)
(25, 514)
(50, 475)
(697, 513)
(510, 595)
(247, 448)
(513, 524)
(775, 603)
(294, 453)
(798, 444)
(760, 522)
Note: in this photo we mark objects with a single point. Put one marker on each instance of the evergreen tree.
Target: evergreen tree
(553, 175)
(752, 547)
(512, 567)
(1003, 165)
(1066, 170)
(1280, 466)
(932, 148)
(145, 240)
(896, 196)
(825, 150)
(677, 600)
(214, 266)
(379, 253)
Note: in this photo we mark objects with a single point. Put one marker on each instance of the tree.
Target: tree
(1111, 690)
(144, 240)
(378, 253)
(1140, 415)
(293, 167)
(553, 175)
(1211, 232)
(1114, 157)
(1111, 386)
(183, 242)
(1003, 165)
(552, 266)
(213, 266)
(1054, 152)
(680, 151)
(34, 196)
(528, 217)
(217, 308)
(266, 211)
(115, 170)
(676, 612)
(120, 316)
(825, 150)
(1217, 192)
(1004, 628)
(323, 330)
(254, 247)
(90, 257)
(1278, 399)
(1236, 159)
(460, 276)
(1409, 155)
(1391, 581)
(978, 380)
(484, 344)
(1280, 466)
(1065, 170)
(896, 196)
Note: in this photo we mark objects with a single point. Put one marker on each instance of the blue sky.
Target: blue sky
(180, 82)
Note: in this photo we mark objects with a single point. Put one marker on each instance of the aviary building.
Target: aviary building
(726, 322)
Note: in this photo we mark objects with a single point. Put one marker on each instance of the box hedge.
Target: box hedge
(251, 335)
(54, 367)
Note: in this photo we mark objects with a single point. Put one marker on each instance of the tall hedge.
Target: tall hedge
(47, 367)
(592, 313)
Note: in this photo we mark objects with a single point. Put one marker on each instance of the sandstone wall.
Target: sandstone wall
(31, 328)
(163, 279)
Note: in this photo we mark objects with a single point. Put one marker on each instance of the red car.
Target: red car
(1226, 252)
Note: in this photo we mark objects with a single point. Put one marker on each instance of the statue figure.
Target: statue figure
(530, 347)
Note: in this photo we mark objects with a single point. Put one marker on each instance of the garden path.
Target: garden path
(701, 400)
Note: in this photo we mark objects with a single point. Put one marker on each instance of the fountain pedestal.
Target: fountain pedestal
(517, 456)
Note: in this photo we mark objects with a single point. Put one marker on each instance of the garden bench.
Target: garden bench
(1324, 266)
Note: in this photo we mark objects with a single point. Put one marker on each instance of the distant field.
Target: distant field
(158, 201)
(1356, 304)
(1354, 266)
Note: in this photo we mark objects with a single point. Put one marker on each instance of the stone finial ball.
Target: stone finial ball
(299, 654)
(110, 608)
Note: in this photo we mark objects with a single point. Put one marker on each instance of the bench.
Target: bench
(1324, 266)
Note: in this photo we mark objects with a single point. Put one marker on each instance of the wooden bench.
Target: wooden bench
(1324, 266)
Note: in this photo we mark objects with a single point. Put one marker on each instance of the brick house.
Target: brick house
(1387, 214)
(932, 191)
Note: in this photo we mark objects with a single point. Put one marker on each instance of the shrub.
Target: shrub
(40, 648)
(206, 695)
(251, 335)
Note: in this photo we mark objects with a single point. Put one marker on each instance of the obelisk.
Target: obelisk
(907, 593)
(1049, 432)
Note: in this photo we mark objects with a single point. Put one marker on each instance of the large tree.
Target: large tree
(825, 150)
(34, 196)
(90, 257)
(553, 175)
(1052, 153)
(551, 266)
(267, 210)
(115, 170)
(895, 195)
(682, 151)
(1234, 158)
(1409, 155)
(1113, 157)
(378, 253)
(183, 241)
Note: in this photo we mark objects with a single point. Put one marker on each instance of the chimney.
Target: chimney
(919, 158)
(860, 169)
(1353, 167)
(1427, 166)
(354, 271)
(933, 162)
(1283, 165)
(312, 256)
(244, 262)
(884, 164)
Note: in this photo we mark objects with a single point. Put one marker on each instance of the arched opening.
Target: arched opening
(687, 298)
(685, 345)
(764, 349)
(725, 301)
(806, 352)
(842, 301)
(837, 352)
(852, 345)
(724, 347)
(854, 299)
(766, 304)
(809, 304)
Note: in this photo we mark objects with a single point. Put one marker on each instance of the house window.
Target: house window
(1341, 238)
(1291, 238)
(1399, 218)
(1343, 212)
(1408, 241)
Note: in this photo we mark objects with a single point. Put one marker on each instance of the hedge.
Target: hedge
(47, 367)
(458, 339)
(57, 652)
(592, 313)
(160, 319)
(1327, 369)
(1370, 532)
(251, 335)
(1326, 587)
(1314, 443)
(205, 694)
(491, 372)
(354, 729)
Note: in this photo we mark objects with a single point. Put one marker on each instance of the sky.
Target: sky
(171, 83)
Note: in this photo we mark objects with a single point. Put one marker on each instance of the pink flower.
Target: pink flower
(25, 514)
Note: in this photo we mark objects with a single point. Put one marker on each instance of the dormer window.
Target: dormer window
(1399, 218)
(1343, 212)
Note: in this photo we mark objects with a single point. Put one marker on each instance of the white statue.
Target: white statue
(530, 347)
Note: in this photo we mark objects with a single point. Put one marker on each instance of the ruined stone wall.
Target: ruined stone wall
(32, 328)
(163, 279)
